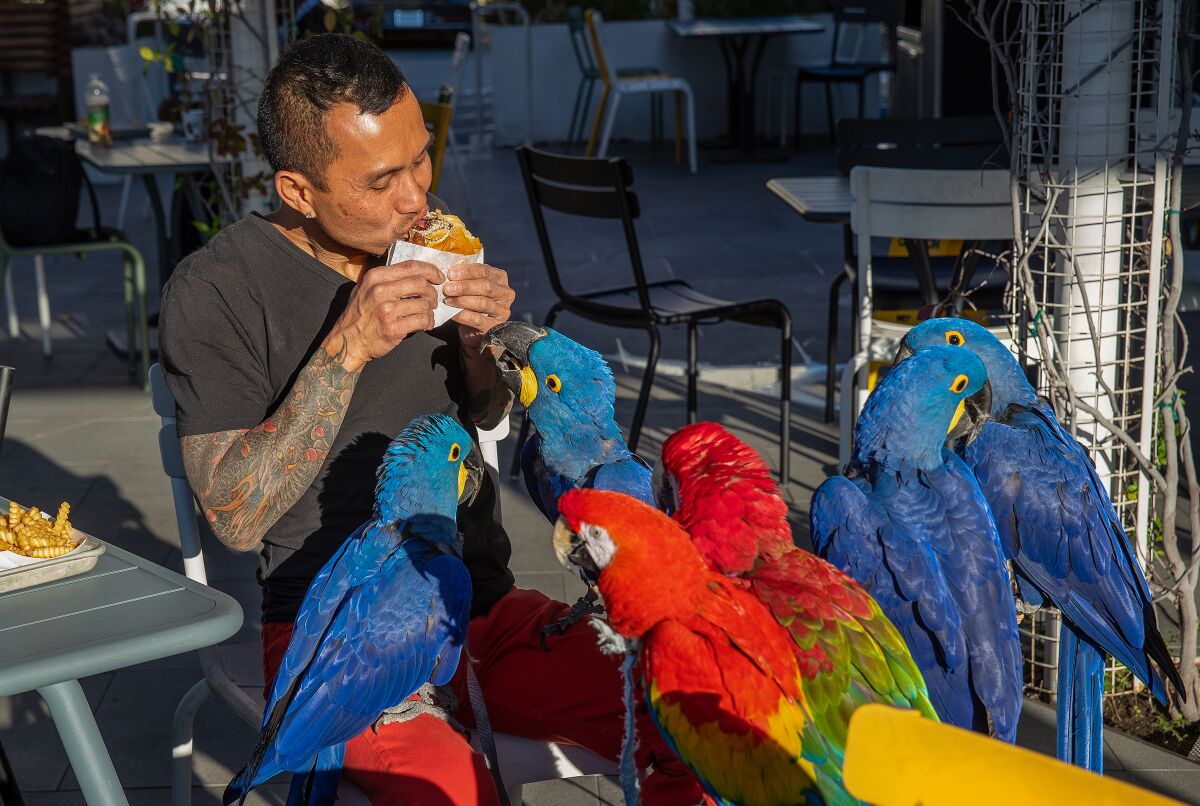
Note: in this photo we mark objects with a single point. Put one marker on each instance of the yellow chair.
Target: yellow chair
(437, 121)
(616, 85)
(898, 758)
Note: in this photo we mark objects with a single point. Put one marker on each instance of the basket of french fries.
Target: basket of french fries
(36, 548)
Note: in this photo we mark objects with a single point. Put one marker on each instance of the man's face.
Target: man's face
(378, 181)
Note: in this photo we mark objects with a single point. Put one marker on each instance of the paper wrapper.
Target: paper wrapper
(403, 250)
(10, 559)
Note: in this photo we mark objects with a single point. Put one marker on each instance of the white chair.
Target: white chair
(233, 672)
(972, 205)
(615, 86)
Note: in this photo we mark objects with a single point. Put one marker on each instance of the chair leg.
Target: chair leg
(139, 299)
(43, 299)
(130, 326)
(587, 104)
(785, 397)
(123, 204)
(693, 373)
(639, 413)
(796, 112)
(10, 301)
(829, 110)
(831, 333)
(601, 108)
(575, 114)
(691, 128)
(610, 118)
(181, 742)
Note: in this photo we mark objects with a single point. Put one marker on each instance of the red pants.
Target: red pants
(571, 695)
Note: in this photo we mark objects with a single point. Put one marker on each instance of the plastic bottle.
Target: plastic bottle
(95, 95)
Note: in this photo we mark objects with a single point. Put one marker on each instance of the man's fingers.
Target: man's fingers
(398, 327)
(408, 269)
(478, 271)
(485, 305)
(405, 288)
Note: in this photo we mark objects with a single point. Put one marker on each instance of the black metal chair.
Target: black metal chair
(857, 13)
(600, 188)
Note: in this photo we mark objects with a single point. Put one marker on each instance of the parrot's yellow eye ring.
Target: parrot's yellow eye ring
(553, 383)
(954, 338)
(455, 452)
(959, 384)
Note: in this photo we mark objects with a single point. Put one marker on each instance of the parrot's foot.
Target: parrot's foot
(611, 642)
(588, 605)
(436, 701)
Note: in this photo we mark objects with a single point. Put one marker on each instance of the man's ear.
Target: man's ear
(296, 192)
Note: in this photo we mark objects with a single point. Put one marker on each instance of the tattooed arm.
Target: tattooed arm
(247, 478)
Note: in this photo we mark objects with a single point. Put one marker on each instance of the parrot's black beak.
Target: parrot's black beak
(903, 352)
(976, 410)
(572, 551)
(513, 340)
(474, 471)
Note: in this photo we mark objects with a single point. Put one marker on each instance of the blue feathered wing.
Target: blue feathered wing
(1059, 528)
(389, 634)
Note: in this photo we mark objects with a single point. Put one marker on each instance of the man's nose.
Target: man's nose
(410, 194)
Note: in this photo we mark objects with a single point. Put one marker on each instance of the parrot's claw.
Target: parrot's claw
(611, 642)
(436, 701)
(587, 605)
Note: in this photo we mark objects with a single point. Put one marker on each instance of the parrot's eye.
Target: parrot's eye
(954, 338)
(959, 384)
(553, 383)
(455, 452)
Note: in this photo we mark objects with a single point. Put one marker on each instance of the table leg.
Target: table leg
(160, 224)
(85, 746)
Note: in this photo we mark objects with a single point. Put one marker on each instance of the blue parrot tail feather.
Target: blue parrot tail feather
(1080, 722)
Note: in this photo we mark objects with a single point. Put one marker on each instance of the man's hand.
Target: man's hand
(388, 304)
(486, 300)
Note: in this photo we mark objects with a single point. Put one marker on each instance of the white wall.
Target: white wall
(650, 43)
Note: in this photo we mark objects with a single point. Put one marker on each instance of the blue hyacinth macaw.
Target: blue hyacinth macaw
(1058, 527)
(910, 524)
(569, 394)
(387, 614)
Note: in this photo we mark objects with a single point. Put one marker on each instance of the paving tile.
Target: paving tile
(569, 792)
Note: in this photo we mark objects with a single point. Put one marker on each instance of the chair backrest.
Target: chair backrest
(35, 37)
(186, 513)
(933, 143)
(971, 205)
(458, 64)
(437, 120)
(577, 30)
(861, 15)
(595, 26)
(591, 187)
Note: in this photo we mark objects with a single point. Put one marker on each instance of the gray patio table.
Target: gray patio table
(741, 40)
(123, 612)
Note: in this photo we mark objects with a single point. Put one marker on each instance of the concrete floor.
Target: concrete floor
(77, 431)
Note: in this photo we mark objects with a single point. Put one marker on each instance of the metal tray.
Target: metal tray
(81, 559)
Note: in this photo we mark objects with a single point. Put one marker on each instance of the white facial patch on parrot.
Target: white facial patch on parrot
(599, 544)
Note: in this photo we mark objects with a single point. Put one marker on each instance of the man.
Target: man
(295, 356)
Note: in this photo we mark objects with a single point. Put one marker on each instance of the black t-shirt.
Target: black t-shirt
(240, 318)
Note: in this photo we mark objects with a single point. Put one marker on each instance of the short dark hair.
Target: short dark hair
(310, 77)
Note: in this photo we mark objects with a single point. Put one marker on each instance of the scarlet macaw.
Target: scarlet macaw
(1059, 528)
(849, 653)
(721, 678)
